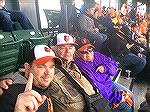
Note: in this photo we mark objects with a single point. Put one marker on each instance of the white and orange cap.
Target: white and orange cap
(41, 54)
(64, 38)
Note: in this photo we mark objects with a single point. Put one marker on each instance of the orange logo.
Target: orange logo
(47, 49)
(66, 38)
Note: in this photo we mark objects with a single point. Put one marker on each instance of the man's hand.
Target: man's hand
(129, 45)
(4, 85)
(100, 69)
(29, 100)
(95, 30)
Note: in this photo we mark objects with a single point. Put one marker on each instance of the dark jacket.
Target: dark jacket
(8, 99)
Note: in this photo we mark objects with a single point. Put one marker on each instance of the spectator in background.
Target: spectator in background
(120, 48)
(111, 21)
(87, 25)
(68, 17)
(124, 9)
(104, 10)
(7, 16)
(125, 14)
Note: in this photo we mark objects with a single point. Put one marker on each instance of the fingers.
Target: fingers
(29, 82)
(29, 100)
(26, 102)
(35, 94)
(1, 91)
(4, 83)
(43, 99)
(34, 100)
(29, 92)
(97, 70)
(100, 69)
(9, 81)
(32, 103)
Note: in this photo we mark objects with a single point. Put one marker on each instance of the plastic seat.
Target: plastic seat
(39, 40)
(9, 53)
(52, 17)
(26, 34)
(6, 37)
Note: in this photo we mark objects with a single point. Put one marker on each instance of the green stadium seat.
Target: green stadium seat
(6, 37)
(40, 40)
(26, 34)
(29, 39)
(9, 53)
(27, 44)
(52, 17)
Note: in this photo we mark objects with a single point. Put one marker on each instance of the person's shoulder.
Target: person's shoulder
(96, 53)
(82, 16)
(101, 56)
(58, 75)
(14, 89)
(18, 78)
(9, 97)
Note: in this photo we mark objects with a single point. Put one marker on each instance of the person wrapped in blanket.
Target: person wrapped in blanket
(98, 68)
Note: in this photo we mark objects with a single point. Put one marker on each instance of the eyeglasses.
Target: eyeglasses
(87, 51)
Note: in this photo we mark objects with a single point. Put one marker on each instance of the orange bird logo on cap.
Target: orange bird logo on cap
(66, 38)
(47, 49)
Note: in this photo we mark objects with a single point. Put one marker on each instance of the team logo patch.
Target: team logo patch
(66, 38)
(47, 49)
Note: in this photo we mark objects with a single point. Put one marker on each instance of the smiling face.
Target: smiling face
(65, 51)
(87, 54)
(91, 11)
(111, 11)
(43, 74)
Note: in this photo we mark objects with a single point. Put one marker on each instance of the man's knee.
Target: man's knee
(142, 62)
(4, 15)
(20, 14)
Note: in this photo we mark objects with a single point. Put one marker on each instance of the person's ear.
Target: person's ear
(56, 49)
(26, 65)
(27, 68)
(74, 49)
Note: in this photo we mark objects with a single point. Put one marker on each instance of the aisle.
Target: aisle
(139, 89)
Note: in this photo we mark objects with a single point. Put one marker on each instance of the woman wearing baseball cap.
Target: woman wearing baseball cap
(98, 68)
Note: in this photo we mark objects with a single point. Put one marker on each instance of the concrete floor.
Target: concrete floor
(139, 89)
